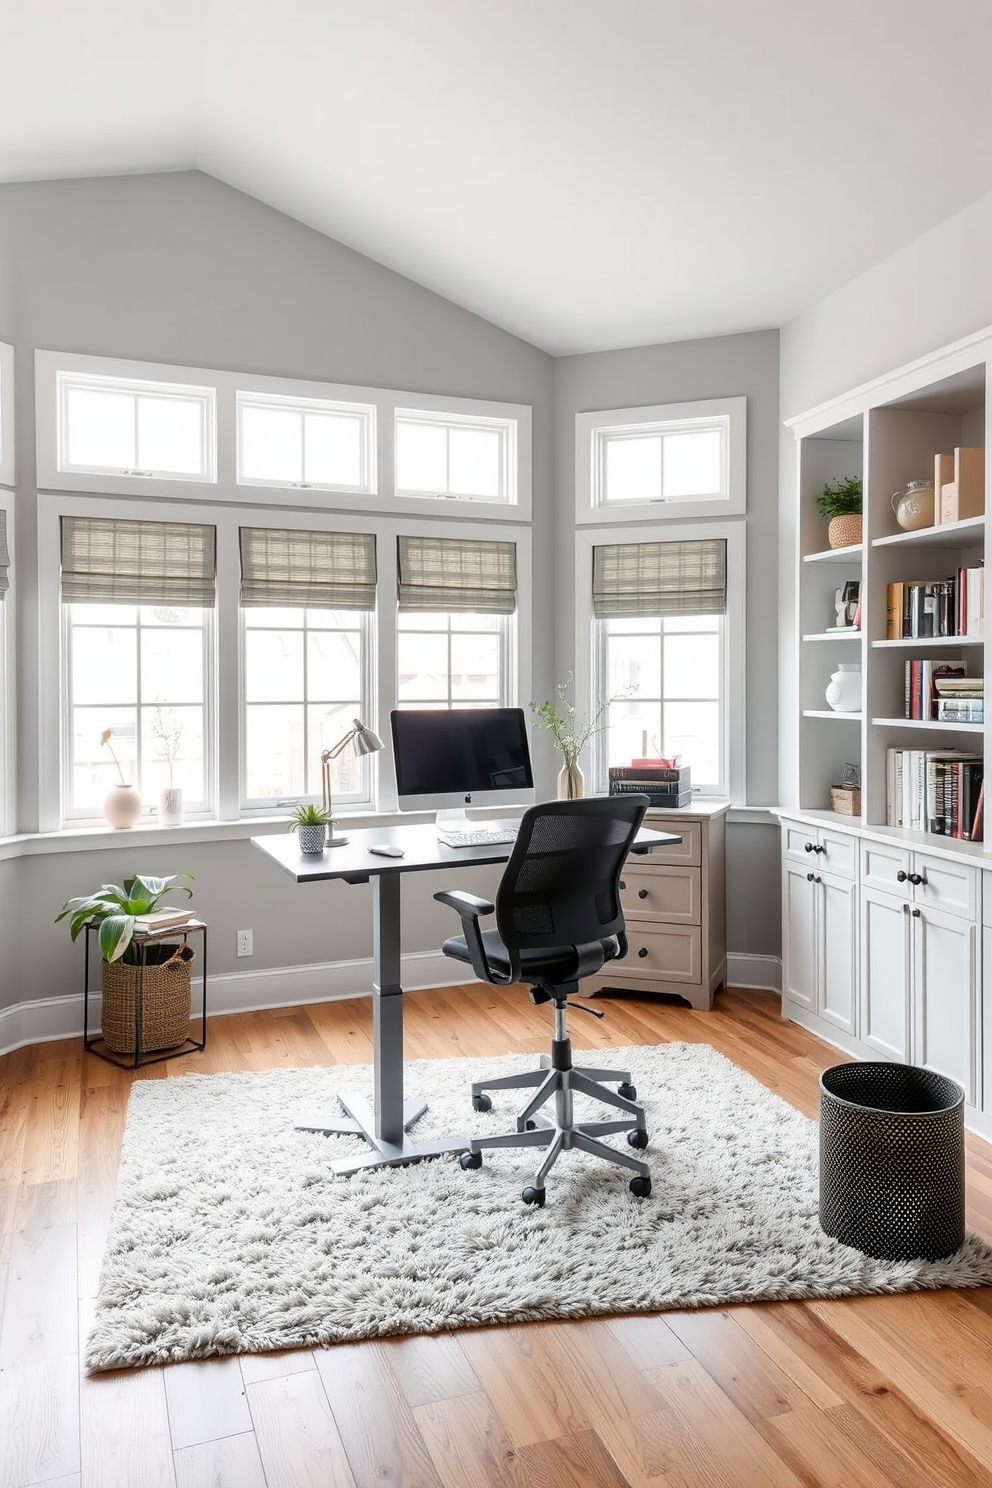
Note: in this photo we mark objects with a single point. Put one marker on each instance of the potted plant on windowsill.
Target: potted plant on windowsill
(162, 970)
(312, 823)
(840, 502)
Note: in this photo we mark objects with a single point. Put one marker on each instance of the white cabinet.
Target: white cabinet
(820, 932)
(886, 960)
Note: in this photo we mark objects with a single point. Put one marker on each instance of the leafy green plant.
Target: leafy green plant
(309, 815)
(560, 720)
(840, 498)
(114, 909)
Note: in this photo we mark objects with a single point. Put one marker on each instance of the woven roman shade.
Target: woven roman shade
(455, 574)
(109, 560)
(660, 578)
(4, 556)
(328, 570)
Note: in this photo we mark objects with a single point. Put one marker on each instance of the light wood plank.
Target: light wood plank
(124, 1429)
(745, 1374)
(206, 1401)
(39, 1315)
(433, 1367)
(579, 1461)
(377, 1426)
(468, 1445)
(660, 1449)
(648, 1340)
(39, 1421)
(298, 1442)
(231, 1462)
(820, 1449)
(257, 1367)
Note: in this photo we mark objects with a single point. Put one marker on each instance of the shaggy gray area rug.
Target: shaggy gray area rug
(230, 1235)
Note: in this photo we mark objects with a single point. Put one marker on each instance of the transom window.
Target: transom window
(138, 671)
(305, 443)
(119, 426)
(459, 458)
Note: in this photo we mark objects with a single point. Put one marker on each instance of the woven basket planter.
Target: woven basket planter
(165, 999)
(844, 532)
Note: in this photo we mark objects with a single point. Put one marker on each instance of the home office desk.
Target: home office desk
(384, 1122)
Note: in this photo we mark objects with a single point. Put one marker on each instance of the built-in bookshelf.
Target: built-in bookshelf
(888, 434)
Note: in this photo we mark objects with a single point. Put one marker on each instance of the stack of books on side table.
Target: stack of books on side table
(665, 782)
(162, 919)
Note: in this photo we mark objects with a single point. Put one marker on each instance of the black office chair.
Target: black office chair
(558, 919)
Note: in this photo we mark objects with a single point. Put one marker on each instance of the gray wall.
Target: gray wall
(179, 268)
(717, 367)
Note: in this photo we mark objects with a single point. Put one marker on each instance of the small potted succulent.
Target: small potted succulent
(311, 822)
(840, 503)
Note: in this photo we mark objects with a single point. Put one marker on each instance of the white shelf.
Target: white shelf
(835, 555)
(950, 642)
(834, 635)
(935, 724)
(964, 534)
(829, 713)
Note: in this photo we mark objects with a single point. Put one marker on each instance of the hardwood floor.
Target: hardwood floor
(868, 1391)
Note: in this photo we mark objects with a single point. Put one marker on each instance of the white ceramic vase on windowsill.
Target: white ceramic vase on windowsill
(170, 806)
(122, 807)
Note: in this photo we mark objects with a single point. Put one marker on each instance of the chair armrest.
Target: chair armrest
(470, 908)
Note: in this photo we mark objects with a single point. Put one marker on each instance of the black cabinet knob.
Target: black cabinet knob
(809, 847)
(811, 878)
(916, 913)
(622, 884)
(643, 952)
(901, 877)
(819, 848)
(916, 878)
(642, 893)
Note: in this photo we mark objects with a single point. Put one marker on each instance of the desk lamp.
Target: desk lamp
(365, 742)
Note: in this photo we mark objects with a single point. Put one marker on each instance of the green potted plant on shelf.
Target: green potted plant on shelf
(840, 502)
(311, 822)
(162, 971)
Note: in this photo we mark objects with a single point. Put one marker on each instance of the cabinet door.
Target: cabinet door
(945, 1002)
(946, 885)
(838, 936)
(800, 893)
(886, 967)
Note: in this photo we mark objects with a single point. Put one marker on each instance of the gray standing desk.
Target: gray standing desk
(384, 1123)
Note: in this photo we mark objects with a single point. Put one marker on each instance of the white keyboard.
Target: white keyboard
(479, 838)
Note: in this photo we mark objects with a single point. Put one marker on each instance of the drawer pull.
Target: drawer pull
(809, 847)
(642, 893)
(901, 876)
(820, 849)
(917, 878)
(643, 952)
(622, 884)
(916, 913)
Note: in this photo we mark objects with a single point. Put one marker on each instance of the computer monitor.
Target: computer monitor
(456, 757)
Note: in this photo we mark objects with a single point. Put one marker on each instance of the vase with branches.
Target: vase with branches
(570, 733)
(168, 730)
(122, 806)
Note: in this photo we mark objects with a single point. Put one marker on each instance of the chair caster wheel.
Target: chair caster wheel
(471, 1160)
(536, 1196)
(628, 1091)
(530, 1126)
(640, 1187)
(481, 1103)
(637, 1138)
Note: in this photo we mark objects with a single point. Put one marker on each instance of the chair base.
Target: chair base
(558, 1080)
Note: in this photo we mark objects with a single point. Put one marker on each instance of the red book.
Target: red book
(657, 764)
(976, 824)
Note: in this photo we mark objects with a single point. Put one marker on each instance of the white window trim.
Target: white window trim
(506, 428)
(735, 648)
(224, 698)
(8, 462)
(8, 652)
(298, 404)
(206, 397)
(589, 425)
(225, 488)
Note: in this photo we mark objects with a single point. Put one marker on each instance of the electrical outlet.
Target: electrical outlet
(244, 943)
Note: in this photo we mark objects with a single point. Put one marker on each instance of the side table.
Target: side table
(97, 1044)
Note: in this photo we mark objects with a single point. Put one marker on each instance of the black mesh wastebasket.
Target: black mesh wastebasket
(892, 1160)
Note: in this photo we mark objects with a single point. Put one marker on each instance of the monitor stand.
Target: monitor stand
(454, 819)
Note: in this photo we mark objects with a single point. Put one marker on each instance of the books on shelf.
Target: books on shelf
(917, 609)
(923, 679)
(935, 790)
(162, 919)
(663, 783)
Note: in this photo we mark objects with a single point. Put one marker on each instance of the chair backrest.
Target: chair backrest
(561, 885)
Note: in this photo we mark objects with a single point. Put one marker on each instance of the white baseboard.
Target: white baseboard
(757, 973)
(50, 1018)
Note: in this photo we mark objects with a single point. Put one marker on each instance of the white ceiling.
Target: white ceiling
(586, 173)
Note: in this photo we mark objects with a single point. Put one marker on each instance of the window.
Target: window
(666, 625)
(121, 426)
(307, 598)
(137, 606)
(456, 601)
(305, 443)
(455, 458)
(6, 414)
(675, 458)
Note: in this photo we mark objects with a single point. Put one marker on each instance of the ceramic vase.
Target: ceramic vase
(844, 689)
(170, 806)
(571, 782)
(122, 807)
(312, 839)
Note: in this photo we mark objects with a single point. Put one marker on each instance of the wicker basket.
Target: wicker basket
(846, 799)
(844, 532)
(165, 980)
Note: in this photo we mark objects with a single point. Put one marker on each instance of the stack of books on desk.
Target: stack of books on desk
(665, 784)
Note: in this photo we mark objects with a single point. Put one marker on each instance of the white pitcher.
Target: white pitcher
(844, 689)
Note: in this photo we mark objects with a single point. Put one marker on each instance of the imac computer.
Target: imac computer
(449, 758)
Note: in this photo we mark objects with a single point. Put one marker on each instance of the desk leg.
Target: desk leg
(383, 1124)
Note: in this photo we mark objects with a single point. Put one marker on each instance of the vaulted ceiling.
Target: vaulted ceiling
(586, 173)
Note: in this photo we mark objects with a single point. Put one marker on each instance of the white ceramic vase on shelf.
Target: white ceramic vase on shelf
(122, 807)
(170, 806)
(844, 689)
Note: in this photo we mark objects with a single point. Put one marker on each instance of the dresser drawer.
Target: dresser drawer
(670, 952)
(689, 850)
(946, 885)
(659, 893)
